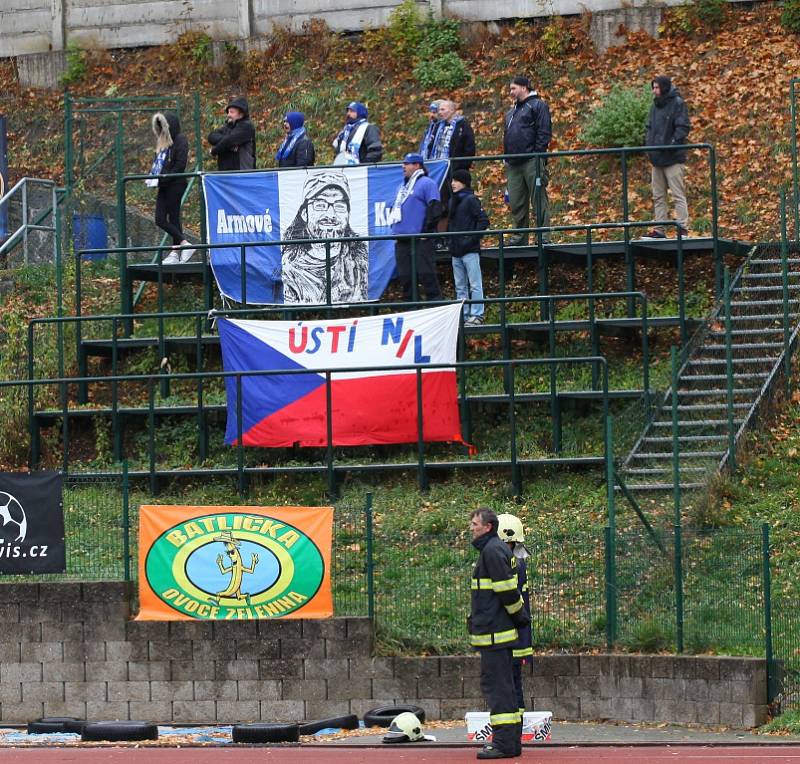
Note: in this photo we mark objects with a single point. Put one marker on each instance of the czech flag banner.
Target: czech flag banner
(293, 205)
(367, 407)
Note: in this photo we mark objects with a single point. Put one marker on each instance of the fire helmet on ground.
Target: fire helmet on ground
(509, 528)
(405, 728)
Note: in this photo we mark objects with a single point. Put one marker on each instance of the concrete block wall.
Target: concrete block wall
(71, 649)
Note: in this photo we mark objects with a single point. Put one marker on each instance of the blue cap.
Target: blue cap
(413, 158)
(434, 106)
(359, 108)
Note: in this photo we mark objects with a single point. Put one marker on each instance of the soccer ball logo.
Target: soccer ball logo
(11, 511)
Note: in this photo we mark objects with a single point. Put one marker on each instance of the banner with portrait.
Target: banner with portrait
(234, 563)
(304, 203)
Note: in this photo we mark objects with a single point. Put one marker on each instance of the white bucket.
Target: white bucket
(536, 726)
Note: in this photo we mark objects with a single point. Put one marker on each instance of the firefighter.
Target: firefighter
(511, 531)
(497, 613)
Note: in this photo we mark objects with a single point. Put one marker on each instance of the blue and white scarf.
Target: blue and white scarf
(403, 192)
(429, 139)
(157, 167)
(348, 154)
(441, 148)
(289, 142)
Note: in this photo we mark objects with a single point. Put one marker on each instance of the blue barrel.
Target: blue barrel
(90, 232)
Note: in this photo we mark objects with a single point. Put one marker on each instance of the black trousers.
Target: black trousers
(518, 690)
(168, 210)
(497, 687)
(426, 267)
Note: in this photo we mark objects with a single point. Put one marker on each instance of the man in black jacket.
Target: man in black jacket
(234, 144)
(528, 130)
(668, 125)
(496, 613)
(359, 141)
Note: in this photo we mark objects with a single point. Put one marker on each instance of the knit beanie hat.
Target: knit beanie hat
(295, 119)
(463, 176)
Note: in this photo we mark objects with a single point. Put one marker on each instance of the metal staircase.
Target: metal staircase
(723, 375)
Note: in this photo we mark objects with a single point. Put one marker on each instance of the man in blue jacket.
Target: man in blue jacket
(416, 209)
(668, 125)
(528, 130)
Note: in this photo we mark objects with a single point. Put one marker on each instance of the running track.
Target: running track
(337, 754)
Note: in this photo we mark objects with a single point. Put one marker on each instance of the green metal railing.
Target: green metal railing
(200, 382)
(503, 253)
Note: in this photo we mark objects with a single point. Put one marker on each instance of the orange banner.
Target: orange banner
(232, 563)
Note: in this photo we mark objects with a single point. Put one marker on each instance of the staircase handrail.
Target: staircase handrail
(21, 186)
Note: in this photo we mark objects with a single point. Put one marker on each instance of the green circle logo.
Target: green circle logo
(234, 566)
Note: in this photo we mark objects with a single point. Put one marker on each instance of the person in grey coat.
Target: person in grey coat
(668, 125)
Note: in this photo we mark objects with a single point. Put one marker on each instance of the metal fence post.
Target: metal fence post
(370, 560)
(729, 373)
(610, 539)
(126, 522)
(611, 594)
(676, 468)
(679, 586)
(787, 330)
(768, 654)
(795, 183)
(712, 169)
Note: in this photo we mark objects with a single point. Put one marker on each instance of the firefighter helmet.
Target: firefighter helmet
(405, 728)
(509, 528)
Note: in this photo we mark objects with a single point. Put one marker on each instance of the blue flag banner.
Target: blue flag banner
(3, 177)
(304, 203)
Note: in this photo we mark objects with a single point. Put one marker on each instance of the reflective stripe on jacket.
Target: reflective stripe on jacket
(524, 646)
(495, 597)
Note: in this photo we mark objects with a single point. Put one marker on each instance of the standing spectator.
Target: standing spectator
(297, 149)
(234, 144)
(429, 138)
(511, 531)
(668, 125)
(416, 209)
(454, 138)
(496, 613)
(466, 214)
(527, 130)
(172, 153)
(359, 140)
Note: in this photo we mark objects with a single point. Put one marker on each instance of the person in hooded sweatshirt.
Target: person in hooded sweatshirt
(359, 141)
(172, 152)
(234, 144)
(466, 215)
(668, 125)
(297, 149)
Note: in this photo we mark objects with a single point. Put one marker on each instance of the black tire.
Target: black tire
(265, 732)
(349, 722)
(382, 715)
(118, 731)
(75, 725)
(51, 724)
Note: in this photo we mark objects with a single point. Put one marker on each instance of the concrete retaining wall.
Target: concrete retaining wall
(70, 649)
(40, 26)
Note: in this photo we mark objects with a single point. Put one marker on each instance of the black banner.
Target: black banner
(3, 177)
(31, 523)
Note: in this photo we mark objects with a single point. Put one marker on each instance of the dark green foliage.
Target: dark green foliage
(76, 66)
(790, 16)
(620, 119)
(446, 72)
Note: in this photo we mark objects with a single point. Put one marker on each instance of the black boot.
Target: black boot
(490, 751)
